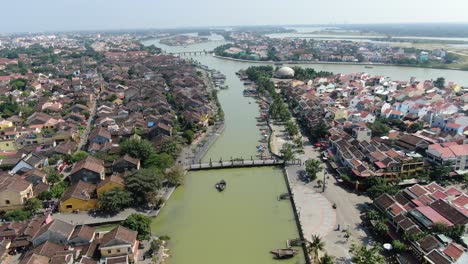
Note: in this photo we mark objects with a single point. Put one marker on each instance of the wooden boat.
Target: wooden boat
(284, 253)
(368, 67)
(220, 186)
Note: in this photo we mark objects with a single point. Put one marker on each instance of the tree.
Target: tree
(379, 128)
(439, 82)
(319, 132)
(373, 214)
(315, 246)
(326, 259)
(377, 186)
(143, 182)
(138, 148)
(441, 171)
(175, 175)
(79, 155)
(140, 223)
(399, 246)
(189, 135)
(415, 127)
(171, 146)
(287, 152)
(17, 215)
(291, 128)
(381, 227)
(114, 200)
(32, 205)
(58, 189)
(312, 168)
(53, 176)
(161, 161)
(363, 255)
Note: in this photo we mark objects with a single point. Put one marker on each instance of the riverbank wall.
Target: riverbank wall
(296, 215)
(339, 63)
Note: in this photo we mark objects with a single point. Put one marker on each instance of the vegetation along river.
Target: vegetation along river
(245, 222)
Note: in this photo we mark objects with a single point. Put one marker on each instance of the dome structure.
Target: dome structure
(285, 72)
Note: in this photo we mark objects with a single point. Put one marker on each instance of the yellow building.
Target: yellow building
(7, 145)
(5, 124)
(81, 196)
(110, 183)
(121, 242)
(341, 114)
(14, 191)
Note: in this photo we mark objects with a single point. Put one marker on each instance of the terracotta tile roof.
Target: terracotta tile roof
(89, 163)
(114, 179)
(439, 195)
(120, 233)
(80, 190)
(417, 190)
(436, 257)
(57, 226)
(462, 203)
(35, 259)
(48, 249)
(433, 186)
(454, 251)
(13, 183)
(449, 212)
(84, 231)
(429, 243)
(453, 192)
(433, 215)
(384, 201)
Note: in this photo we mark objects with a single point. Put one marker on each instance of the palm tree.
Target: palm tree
(315, 246)
(326, 259)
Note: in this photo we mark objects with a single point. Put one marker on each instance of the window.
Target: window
(69, 206)
(7, 201)
(118, 250)
(109, 251)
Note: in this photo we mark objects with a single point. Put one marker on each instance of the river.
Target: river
(243, 223)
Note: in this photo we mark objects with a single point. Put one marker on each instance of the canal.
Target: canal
(246, 221)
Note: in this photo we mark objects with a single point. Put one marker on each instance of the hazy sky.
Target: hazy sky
(52, 15)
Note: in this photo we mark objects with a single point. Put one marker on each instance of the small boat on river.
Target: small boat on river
(221, 185)
(284, 253)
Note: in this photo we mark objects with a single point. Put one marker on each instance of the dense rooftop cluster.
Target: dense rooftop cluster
(86, 119)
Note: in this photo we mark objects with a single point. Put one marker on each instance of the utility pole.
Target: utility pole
(324, 181)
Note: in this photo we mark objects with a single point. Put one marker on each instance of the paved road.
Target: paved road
(317, 217)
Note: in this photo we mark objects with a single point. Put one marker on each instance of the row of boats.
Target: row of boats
(219, 80)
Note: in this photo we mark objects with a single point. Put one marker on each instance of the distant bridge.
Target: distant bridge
(240, 163)
(188, 53)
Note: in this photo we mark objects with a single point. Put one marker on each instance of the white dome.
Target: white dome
(285, 72)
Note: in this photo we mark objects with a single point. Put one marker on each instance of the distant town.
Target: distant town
(251, 46)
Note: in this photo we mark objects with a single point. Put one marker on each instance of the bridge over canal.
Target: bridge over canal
(240, 163)
(190, 53)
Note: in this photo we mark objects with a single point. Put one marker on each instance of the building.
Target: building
(121, 242)
(126, 163)
(14, 192)
(417, 209)
(56, 231)
(285, 72)
(81, 196)
(89, 169)
(28, 162)
(449, 153)
(362, 134)
(110, 183)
